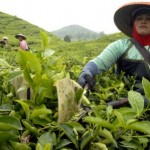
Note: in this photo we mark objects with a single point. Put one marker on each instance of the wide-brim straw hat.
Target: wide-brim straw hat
(5, 38)
(20, 35)
(123, 16)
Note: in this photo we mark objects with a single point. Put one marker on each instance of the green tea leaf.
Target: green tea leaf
(40, 115)
(29, 60)
(20, 146)
(48, 146)
(40, 110)
(45, 40)
(142, 126)
(120, 118)
(109, 110)
(99, 121)
(146, 86)
(25, 108)
(48, 53)
(27, 75)
(62, 143)
(6, 146)
(8, 135)
(86, 138)
(68, 130)
(76, 125)
(100, 146)
(45, 140)
(4, 63)
(131, 145)
(144, 141)
(136, 101)
(107, 134)
(38, 147)
(14, 74)
(8, 122)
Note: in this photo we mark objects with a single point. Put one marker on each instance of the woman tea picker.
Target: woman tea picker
(133, 19)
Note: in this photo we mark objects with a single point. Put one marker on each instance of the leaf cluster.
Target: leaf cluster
(33, 124)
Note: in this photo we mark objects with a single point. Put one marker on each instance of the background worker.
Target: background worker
(4, 42)
(23, 43)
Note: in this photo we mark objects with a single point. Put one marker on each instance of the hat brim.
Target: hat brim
(5, 38)
(20, 35)
(122, 16)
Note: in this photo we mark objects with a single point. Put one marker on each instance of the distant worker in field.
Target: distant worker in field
(4, 41)
(23, 43)
(132, 54)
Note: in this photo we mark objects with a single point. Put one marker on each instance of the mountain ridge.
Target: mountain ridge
(77, 33)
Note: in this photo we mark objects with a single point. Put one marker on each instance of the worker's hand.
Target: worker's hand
(86, 79)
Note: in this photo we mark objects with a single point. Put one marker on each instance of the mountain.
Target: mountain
(77, 33)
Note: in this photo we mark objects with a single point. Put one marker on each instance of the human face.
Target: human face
(20, 38)
(142, 24)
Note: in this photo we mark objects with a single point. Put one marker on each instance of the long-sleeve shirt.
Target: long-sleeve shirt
(23, 45)
(132, 62)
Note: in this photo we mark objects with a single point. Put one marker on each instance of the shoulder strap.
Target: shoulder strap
(142, 50)
(126, 51)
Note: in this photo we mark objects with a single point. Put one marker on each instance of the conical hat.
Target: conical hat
(123, 16)
(20, 35)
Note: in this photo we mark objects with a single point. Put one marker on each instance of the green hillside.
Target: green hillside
(12, 25)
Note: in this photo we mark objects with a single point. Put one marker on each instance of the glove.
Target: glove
(87, 74)
(86, 79)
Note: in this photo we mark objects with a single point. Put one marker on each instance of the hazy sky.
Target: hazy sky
(96, 15)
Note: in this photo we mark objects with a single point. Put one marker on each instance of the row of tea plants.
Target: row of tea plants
(33, 124)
